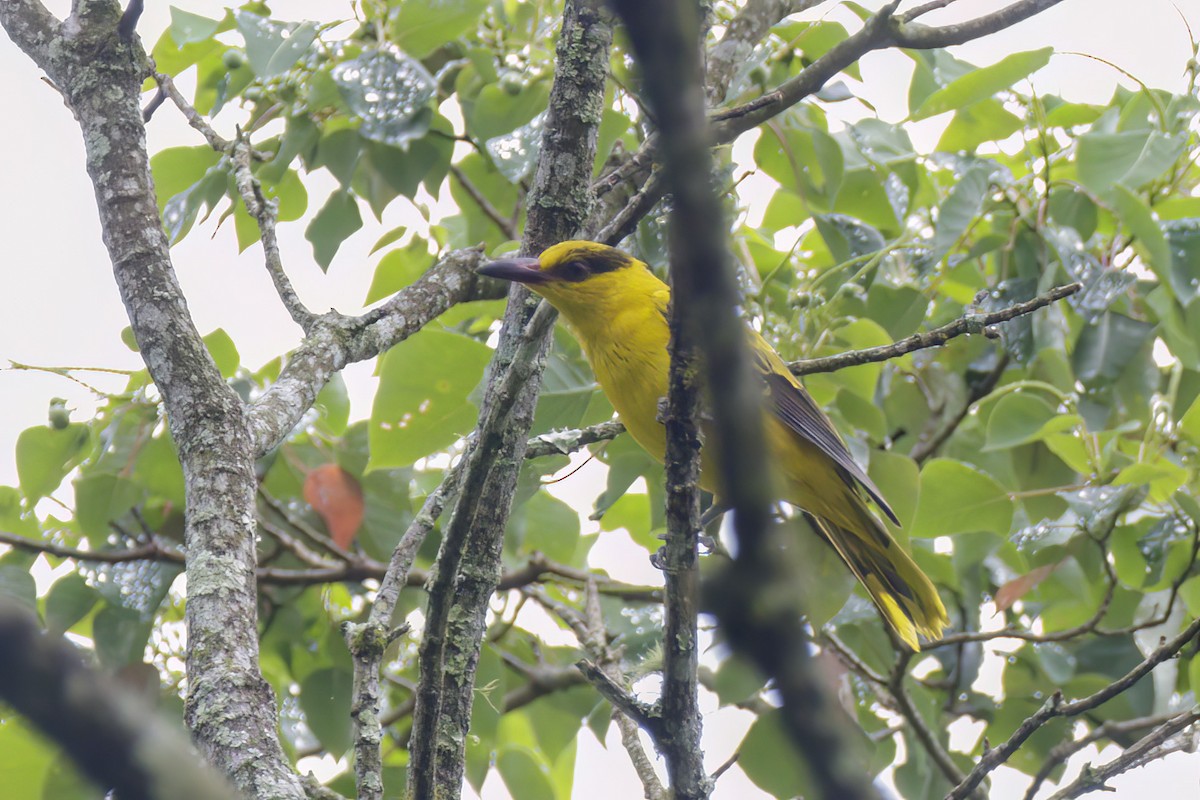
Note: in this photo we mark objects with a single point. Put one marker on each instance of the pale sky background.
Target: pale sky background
(61, 307)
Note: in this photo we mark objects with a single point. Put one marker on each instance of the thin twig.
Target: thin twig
(1055, 707)
(1064, 750)
(1151, 747)
(505, 225)
(214, 139)
(263, 212)
(972, 322)
(154, 550)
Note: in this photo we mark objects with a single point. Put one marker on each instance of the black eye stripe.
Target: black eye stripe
(572, 271)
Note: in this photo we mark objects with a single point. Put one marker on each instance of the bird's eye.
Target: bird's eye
(573, 271)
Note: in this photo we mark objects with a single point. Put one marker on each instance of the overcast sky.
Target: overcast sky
(61, 308)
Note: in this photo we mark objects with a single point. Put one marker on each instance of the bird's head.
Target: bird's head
(583, 280)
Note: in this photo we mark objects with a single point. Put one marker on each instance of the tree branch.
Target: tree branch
(927, 738)
(153, 550)
(1151, 747)
(230, 708)
(629, 714)
(31, 27)
(919, 37)
(972, 322)
(742, 34)
(1064, 750)
(681, 727)
(193, 117)
(705, 288)
(368, 641)
(263, 212)
(335, 341)
(880, 31)
(468, 562)
(1055, 707)
(504, 224)
(110, 733)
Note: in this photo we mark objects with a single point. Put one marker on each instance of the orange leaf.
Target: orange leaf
(1017, 588)
(336, 495)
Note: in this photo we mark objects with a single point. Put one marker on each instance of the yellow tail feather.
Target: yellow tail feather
(905, 597)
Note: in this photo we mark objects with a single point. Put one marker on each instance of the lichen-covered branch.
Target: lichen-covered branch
(468, 565)
(1061, 752)
(1169, 737)
(263, 212)
(31, 27)
(681, 728)
(742, 34)
(334, 341)
(1056, 707)
(114, 737)
(367, 641)
(230, 708)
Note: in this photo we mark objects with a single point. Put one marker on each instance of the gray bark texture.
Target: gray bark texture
(468, 564)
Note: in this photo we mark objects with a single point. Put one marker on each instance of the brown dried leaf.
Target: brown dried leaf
(337, 496)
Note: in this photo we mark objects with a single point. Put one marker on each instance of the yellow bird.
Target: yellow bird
(617, 309)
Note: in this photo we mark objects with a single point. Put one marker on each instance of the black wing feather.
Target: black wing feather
(798, 411)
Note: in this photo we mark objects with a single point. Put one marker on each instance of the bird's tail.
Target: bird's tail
(903, 593)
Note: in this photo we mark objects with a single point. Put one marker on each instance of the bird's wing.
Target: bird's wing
(795, 408)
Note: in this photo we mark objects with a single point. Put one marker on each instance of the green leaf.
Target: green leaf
(332, 225)
(983, 82)
(1018, 418)
(390, 93)
(398, 268)
(69, 600)
(957, 498)
(1071, 207)
(45, 455)
(271, 47)
(120, 635)
(176, 169)
(14, 518)
(17, 585)
(1131, 159)
(525, 774)
(392, 236)
(188, 28)
(223, 351)
(1189, 424)
(848, 238)
(898, 479)
(1106, 348)
(421, 405)
(737, 680)
(325, 700)
(985, 121)
(1183, 243)
(961, 208)
(547, 525)
(101, 498)
(157, 469)
(333, 402)
(422, 26)
(1163, 477)
(26, 758)
(1139, 219)
(768, 758)
(516, 154)
(495, 112)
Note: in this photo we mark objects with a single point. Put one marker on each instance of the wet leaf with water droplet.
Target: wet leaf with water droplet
(390, 93)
